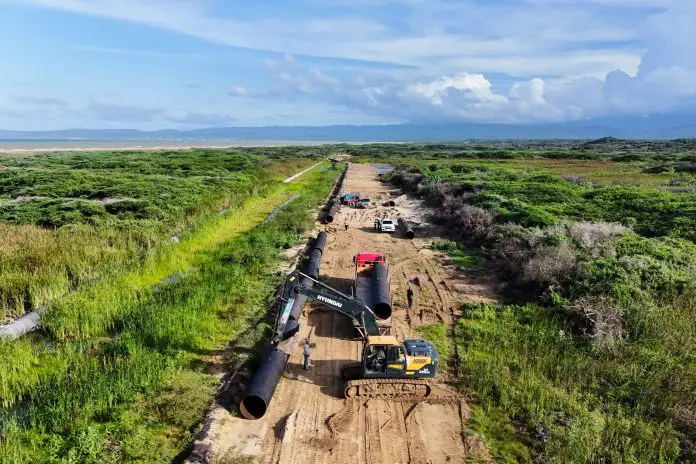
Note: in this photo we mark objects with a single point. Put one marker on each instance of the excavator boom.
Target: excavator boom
(329, 297)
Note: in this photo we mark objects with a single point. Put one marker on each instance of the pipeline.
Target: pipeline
(380, 297)
(277, 209)
(21, 325)
(320, 242)
(344, 179)
(408, 232)
(332, 212)
(260, 391)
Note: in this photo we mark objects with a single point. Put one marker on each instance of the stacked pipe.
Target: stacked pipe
(408, 231)
(260, 391)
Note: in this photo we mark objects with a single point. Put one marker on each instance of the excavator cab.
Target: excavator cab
(384, 357)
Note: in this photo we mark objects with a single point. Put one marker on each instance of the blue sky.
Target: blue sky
(184, 64)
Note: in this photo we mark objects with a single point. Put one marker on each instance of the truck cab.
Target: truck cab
(350, 199)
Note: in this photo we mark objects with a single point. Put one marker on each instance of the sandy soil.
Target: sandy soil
(308, 420)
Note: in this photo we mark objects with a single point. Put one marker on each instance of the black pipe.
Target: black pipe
(390, 203)
(341, 189)
(320, 242)
(380, 297)
(312, 269)
(260, 391)
(332, 212)
(408, 232)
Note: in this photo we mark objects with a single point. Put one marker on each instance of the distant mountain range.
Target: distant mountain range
(653, 127)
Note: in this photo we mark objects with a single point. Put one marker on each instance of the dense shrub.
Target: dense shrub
(601, 320)
(551, 266)
(596, 238)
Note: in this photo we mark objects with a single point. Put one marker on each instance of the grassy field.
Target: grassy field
(71, 218)
(126, 365)
(593, 356)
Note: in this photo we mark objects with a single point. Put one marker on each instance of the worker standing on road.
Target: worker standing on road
(345, 224)
(409, 297)
(307, 352)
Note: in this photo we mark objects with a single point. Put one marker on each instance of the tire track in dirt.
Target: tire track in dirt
(309, 421)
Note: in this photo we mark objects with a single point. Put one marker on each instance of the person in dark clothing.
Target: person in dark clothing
(409, 297)
(306, 353)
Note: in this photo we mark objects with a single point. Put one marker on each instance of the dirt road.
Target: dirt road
(309, 421)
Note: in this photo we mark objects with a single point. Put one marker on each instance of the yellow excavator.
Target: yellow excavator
(388, 369)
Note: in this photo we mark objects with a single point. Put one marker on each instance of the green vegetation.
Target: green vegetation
(437, 334)
(593, 358)
(125, 366)
(458, 253)
(73, 218)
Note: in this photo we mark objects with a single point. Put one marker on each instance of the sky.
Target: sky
(187, 64)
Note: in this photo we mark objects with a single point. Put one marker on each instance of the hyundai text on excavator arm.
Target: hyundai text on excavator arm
(388, 368)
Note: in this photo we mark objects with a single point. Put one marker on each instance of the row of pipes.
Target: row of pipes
(336, 202)
(260, 391)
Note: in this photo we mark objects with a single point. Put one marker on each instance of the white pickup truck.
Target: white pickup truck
(385, 225)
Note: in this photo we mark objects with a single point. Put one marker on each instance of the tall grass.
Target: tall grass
(138, 394)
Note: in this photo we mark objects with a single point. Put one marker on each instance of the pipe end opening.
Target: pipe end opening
(253, 407)
(382, 310)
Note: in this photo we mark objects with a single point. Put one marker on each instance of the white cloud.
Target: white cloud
(561, 59)
(239, 91)
(472, 87)
(439, 34)
(324, 78)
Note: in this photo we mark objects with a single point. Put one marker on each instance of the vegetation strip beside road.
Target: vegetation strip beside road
(131, 383)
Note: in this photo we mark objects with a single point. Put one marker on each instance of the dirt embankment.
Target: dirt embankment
(309, 421)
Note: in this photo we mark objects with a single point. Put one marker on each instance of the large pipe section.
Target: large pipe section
(389, 203)
(408, 231)
(380, 296)
(332, 212)
(260, 391)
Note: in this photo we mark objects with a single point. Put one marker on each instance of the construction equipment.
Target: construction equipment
(350, 199)
(388, 369)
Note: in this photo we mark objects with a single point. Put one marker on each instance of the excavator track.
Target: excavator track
(388, 388)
